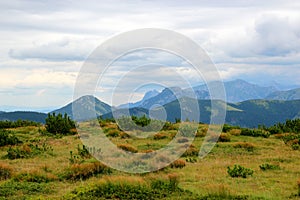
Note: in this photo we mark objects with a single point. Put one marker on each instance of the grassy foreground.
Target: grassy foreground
(58, 167)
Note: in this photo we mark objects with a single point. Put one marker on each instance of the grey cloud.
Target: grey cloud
(61, 50)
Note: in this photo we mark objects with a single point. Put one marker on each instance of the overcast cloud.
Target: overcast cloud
(44, 43)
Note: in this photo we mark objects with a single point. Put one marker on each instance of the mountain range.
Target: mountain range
(247, 104)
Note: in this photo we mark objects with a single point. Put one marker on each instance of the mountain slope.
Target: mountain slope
(148, 95)
(239, 90)
(236, 91)
(23, 115)
(249, 113)
(285, 95)
(85, 104)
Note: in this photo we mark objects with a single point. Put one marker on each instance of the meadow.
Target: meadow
(35, 164)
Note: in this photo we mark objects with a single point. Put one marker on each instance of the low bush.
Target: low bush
(239, 171)
(83, 152)
(85, 170)
(224, 137)
(127, 147)
(5, 171)
(113, 133)
(159, 136)
(244, 145)
(191, 151)
(178, 164)
(235, 132)
(267, 166)
(255, 133)
(7, 138)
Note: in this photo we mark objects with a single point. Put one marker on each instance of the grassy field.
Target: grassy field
(46, 169)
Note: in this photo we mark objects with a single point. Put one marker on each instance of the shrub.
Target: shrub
(235, 132)
(178, 164)
(255, 132)
(113, 133)
(86, 170)
(128, 147)
(159, 136)
(18, 123)
(267, 166)
(191, 151)
(58, 124)
(224, 137)
(5, 172)
(245, 145)
(227, 128)
(6, 138)
(83, 152)
(191, 160)
(239, 171)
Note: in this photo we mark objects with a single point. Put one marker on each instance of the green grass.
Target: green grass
(43, 176)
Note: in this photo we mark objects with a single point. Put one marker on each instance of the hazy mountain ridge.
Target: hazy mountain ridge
(23, 115)
(285, 95)
(245, 113)
(250, 113)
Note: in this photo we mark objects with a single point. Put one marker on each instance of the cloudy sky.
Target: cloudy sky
(45, 43)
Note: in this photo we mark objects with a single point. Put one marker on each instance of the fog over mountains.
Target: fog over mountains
(247, 104)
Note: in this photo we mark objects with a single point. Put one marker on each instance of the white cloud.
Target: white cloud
(44, 43)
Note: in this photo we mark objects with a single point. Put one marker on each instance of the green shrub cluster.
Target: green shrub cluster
(7, 138)
(267, 166)
(18, 123)
(255, 132)
(239, 171)
(11, 188)
(292, 140)
(59, 124)
(289, 126)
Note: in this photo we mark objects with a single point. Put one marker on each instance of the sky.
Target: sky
(45, 43)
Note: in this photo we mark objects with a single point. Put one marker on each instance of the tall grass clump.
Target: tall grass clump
(5, 171)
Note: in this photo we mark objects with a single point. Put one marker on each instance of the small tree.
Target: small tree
(59, 124)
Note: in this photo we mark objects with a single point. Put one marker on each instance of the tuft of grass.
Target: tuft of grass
(244, 145)
(178, 164)
(224, 137)
(85, 170)
(160, 136)
(36, 176)
(113, 133)
(128, 147)
(5, 171)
